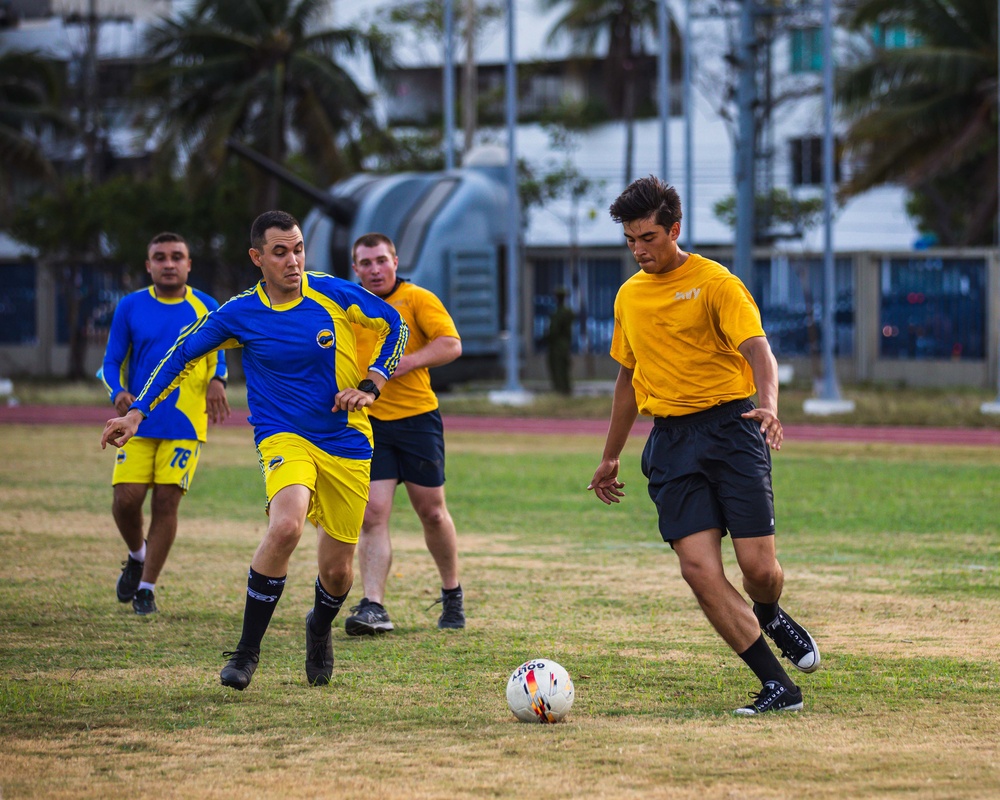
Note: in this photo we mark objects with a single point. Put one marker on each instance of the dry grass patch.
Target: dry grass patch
(95, 702)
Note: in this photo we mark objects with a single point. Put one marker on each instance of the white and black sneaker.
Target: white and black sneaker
(367, 619)
(773, 696)
(794, 642)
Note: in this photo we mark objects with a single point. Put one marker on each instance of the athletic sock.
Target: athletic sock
(146, 585)
(325, 608)
(457, 589)
(262, 596)
(765, 664)
(765, 612)
(140, 554)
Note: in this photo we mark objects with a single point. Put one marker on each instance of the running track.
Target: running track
(971, 437)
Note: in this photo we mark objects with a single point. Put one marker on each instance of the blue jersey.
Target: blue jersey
(296, 356)
(142, 330)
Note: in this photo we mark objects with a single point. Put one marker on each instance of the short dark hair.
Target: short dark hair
(372, 240)
(648, 197)
(281, 220)
(166, 236)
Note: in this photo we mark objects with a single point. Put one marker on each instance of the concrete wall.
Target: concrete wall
(46, 358)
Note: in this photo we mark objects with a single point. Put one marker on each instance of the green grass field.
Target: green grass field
(892, 557)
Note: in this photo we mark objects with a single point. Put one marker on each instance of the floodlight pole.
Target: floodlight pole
(513, 384)
(994, 407)
(449, 85)
(828, 399)
(663, 85)
(997, 402)
(830, 390)
(688, 226)
(746, 92)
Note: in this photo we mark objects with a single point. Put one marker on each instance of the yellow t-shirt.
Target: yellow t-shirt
(680, 332)
(427, 318)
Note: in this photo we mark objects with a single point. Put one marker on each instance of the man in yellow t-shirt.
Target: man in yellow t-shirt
(409, 441)
(692, 351)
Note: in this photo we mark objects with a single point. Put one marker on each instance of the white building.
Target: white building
(877, 241)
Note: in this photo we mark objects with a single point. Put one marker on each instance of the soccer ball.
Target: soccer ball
(540, 691)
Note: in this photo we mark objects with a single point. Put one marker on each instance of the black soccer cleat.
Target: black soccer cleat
(794, 642)
(452, 611)
(144, 603)
(367, 619)
(240, 668)
(773, 696)
(128, 581)
(319, 655)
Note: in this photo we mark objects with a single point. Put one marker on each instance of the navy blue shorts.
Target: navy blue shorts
(410, 449)
(710, 469)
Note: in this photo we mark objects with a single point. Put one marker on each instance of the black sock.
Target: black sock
(262, 596)
(765, 612)
(325, 608)
(457, 589)
(765, 665)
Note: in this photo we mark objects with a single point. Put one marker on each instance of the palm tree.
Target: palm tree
(29, 90)
(621, 23)
(259, 71)
(926, 115)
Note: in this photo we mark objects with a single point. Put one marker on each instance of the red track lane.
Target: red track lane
(971, 437)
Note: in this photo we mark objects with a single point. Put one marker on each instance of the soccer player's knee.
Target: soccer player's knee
(336, 576)
(701, 576)
(376, 515)
(165, 500)
(432, 515)
(762, 571)
(284, 532)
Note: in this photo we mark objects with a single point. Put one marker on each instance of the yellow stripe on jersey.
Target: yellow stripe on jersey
(193, 327)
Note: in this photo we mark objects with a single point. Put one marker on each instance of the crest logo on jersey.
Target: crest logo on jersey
(325, 338)
(120, 458)
(275, 462)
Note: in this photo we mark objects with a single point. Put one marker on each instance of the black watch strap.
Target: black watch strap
(368, 385)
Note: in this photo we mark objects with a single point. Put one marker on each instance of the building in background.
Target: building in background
(903, 313)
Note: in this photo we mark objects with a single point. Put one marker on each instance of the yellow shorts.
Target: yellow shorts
(339, 485)
(149, 461)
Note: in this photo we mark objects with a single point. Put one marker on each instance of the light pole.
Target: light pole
(688, 133)
(746, 92)
(994, 407)
(829, 400)
(513, 393)
(449, 85)
(663, 86)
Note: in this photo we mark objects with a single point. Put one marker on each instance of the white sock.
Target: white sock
(146, 585)
(140, 554)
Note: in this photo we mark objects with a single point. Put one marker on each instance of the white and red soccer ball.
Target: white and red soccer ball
(540, 690)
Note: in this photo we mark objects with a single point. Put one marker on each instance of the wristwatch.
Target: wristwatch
(368, 385)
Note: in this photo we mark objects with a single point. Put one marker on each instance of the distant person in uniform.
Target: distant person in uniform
(692, 351)
(409, 441)
(560, 344)
(165, 457)
(308, 406)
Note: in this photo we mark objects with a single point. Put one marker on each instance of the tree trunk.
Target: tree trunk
(77, 328)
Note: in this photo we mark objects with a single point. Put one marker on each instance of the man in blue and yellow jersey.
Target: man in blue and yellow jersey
(308, 406)
(165, 457)
(409, 441)
(692, 352)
